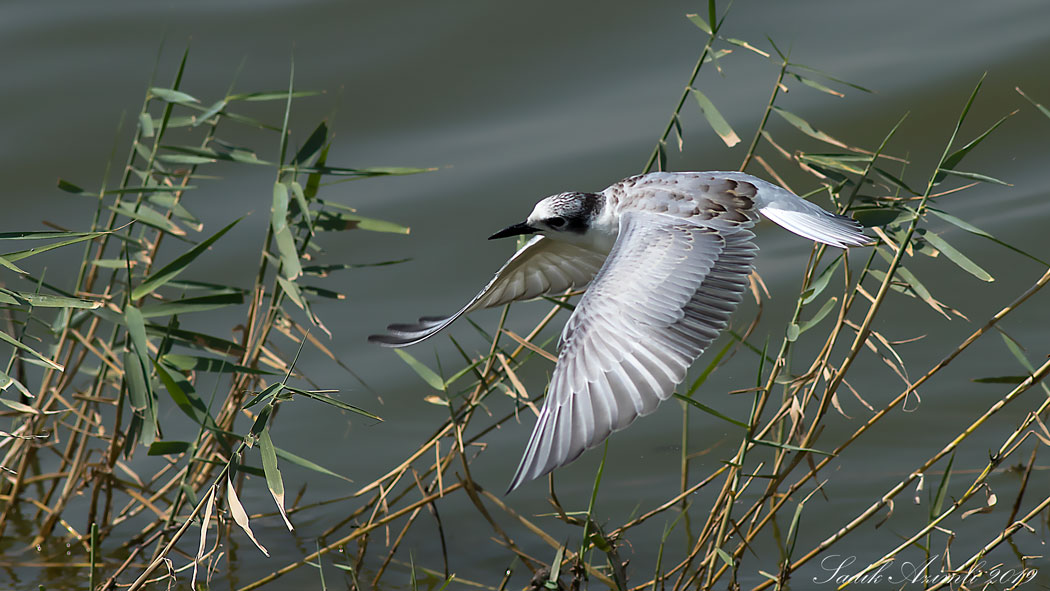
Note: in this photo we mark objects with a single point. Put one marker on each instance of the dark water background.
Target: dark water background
(513, 102)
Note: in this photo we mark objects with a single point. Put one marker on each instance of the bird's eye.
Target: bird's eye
(556, 222)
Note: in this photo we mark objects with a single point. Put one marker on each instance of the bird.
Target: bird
(666, 258)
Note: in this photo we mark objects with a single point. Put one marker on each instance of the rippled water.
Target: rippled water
(514, 102)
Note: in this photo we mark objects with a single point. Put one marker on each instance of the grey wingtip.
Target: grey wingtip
(514, 484)
(520, 477)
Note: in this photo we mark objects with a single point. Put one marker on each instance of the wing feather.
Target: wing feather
(662, 296)
(541, 267)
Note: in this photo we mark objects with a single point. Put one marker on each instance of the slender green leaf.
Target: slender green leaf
(149, 216)
(832, 78)
(185, 159)
(145, 124)
(184, 396)
(816, 85)
(1041, 108)
(14, 404)
(466, 370)
(291, 289)
(196, 340)
(7, 381)
(322, 292)
(843, 162)
(304, 207)
(881, 216)
(78, 237)
(136, 326)
(198, 155)
(141, 401)
(432, 379)
(7, 264)
(710, 411)
(313, 144)
(210, 112)
(267, 392)
(339, 221)
(963, 114)
(215, 288)
(955, 157)
(172, 96)
(69, 187)
(821, 282)
(190, 305)
(942, 489)
(260, 424)
(715, 119)
(957, 257)
(1017, 351)
(789, 447)
(305, 463)
(363, 173)
(290, 266)
(172, 269)
(804, 126)
(699, 21)
(273, 475)
(209, 364)
(333, 402)
(136, 372)
(894, 180)
(1000, 380)
(792, 536)
(277, 95)
(824, 310)
(15, 343)
(163, 448)
(725, 557)
(746, 45)
(152, 188)
(973, 176)
(38, 300)
(326, 270)
(979, 232)
(313, 180)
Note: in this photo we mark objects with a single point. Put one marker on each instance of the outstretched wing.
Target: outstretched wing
(665, 292)
(541, 267)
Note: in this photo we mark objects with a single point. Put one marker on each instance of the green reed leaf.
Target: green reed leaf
(715, 119)
(290, 266)
(432, 379)
(174, 268)
(274, 482)
(957, 257)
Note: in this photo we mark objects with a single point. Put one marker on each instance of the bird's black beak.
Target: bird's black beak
(516, 229)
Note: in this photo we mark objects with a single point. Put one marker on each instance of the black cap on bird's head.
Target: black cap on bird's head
(571, 212)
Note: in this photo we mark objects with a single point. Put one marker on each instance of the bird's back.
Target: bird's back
(709, 199)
